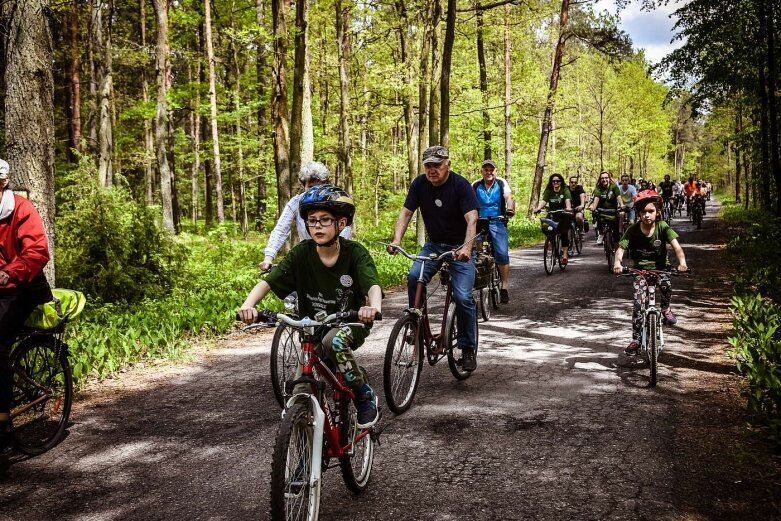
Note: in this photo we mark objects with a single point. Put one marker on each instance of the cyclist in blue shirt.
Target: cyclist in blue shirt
(495, 201)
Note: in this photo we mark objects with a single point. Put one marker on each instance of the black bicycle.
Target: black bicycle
(487, 291)
(552, 249)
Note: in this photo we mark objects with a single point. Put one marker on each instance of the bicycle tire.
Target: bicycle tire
(496, 284)
(653, 351)
(548, 256)
(559, 253)
(451, 336)
(484, 299)
(292, 496)
(285, 364)
(356, 465)
(43, 359)
(578, 237)
(402, 365)
(610, 252)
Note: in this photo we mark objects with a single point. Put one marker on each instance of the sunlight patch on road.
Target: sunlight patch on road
(137, 451)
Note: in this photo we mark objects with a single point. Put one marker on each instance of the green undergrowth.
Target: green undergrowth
(756, 331)
(214, 278)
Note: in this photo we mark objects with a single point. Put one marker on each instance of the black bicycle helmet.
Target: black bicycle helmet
(330, 198)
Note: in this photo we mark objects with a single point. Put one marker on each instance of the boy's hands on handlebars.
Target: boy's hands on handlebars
(367, 314)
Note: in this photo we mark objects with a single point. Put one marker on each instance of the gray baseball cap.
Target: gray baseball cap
(435, 154)
(488, 162)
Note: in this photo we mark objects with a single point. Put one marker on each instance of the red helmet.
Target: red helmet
(645, 195)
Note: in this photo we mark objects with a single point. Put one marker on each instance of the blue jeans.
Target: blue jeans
(462, 280)
(497, 232)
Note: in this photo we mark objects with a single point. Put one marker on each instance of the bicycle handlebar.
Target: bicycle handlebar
(669, 270)
(432, 257)
(348, 318)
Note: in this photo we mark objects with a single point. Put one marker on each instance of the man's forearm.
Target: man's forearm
(401, 225)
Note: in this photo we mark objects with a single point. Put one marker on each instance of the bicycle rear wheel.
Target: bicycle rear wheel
(549, 255)
(483, 299)
(560, 252)
(496, 284)
(653, 350)
(285, 351)
(356, 465)
(42, 393)
(403, 363)
(454, 361)
(292, 495)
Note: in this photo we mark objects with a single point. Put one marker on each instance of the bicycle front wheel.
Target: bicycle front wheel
(285, 351)
(549, 255)
(610, 251)
(454, 361)
(42, 393)
(653, 350)
(403, 363)
(293, 497)
(578, 237)
(356, 465)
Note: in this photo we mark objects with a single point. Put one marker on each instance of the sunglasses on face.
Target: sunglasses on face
(556, 182)
(323, 221)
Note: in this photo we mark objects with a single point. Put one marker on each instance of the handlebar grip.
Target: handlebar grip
(352, 316)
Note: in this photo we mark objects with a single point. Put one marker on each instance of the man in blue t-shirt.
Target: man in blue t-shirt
(448, 205)
(495, 201)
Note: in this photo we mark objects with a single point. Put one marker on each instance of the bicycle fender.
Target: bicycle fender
(317, 450)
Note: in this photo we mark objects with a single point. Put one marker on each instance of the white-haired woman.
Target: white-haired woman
(311, 174)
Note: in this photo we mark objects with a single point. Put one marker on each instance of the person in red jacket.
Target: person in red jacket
(24, 251)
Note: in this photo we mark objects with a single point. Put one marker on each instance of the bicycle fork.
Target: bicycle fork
(651, 313)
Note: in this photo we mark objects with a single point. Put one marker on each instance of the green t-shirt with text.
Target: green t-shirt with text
(608, 197)
(648, 253)
(556, 200)
(342, 287)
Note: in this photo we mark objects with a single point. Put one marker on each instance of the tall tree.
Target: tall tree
(260, 90)
(29, 105)
(301, 132)
(483, 83)
(444, 82)
(149, 175)
(508, 129)
(279, 110)
(162, 59)
(102, 28)
(74, 98)
(343, 41)
(547, 117)
(213, 105)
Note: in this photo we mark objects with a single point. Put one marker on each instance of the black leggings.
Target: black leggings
(14, 310)
(565, 221)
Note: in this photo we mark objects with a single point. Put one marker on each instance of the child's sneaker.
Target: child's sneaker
(600, 239)
(366, 405)
(669, 318)
(632, 348)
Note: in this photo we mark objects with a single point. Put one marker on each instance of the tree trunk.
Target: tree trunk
(344, 149)
(260, 89)
(279, 111)
(213, 105)
(483, 83)
(105, 93)
(406, 59)
(195, 137)
(29, 106)
(775, 159)
(240, 146)
(435, 98)
(539, 168)
(149, 177)
(764, 133)
(738, 131)
(92, 49)
(300, 52)
(208, 202)
(508, 150)
(444, 82)
(162, 58)
(75, 82)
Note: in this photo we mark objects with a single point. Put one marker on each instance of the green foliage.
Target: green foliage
(756, 348)
(108, 246)
(761, 268)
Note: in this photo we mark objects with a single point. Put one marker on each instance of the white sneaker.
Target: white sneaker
(600, 240)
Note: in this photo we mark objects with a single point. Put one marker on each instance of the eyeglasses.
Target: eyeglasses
(323, 221)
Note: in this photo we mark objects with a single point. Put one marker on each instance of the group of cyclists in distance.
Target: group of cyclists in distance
(331, 273)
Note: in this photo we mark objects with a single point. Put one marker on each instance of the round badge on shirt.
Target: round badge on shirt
(346, 281)
(657, 243)
(438, 203)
